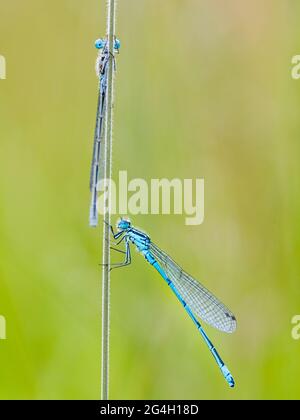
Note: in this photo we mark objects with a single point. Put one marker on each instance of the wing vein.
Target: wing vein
(202, 302)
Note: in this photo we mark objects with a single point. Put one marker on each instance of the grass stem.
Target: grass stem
(111, 7)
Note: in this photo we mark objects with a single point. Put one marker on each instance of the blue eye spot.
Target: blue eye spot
(99, 44)
(117, 44)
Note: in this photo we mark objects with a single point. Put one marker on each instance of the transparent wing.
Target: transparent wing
(97, 162)
(95, 151)
(95, 174)
(203, 303)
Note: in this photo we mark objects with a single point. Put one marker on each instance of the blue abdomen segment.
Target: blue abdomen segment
(225, 371)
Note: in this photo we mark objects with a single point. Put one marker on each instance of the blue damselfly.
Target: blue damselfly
(195, 298)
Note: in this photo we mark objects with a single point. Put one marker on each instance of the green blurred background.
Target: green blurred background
(203, 89)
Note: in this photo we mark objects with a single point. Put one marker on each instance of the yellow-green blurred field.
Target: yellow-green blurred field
(203, 89)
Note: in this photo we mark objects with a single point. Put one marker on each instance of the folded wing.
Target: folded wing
(201, 301)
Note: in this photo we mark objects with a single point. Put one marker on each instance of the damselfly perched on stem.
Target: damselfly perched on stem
(195, 298)
(102, 72)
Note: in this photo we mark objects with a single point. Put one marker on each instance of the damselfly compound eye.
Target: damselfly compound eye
(117, 44)
(99, 43)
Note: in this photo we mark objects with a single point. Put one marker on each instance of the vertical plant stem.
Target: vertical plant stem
(106, 230)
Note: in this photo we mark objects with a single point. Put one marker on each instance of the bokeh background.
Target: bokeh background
(203, 89)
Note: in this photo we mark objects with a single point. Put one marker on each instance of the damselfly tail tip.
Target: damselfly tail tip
(228, 376)
(93, 214)
(230, 381)
(93, 221)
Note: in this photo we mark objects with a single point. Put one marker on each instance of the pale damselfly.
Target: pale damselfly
(102, 64)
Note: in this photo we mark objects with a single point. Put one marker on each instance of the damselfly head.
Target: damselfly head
(123, 224)
(100, 44)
